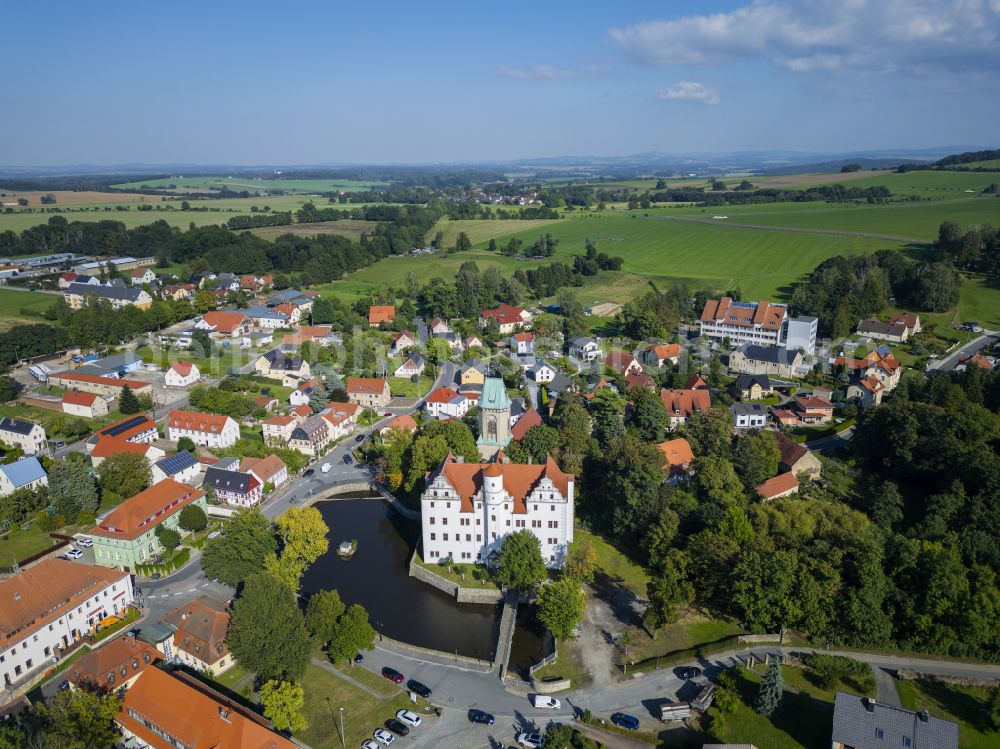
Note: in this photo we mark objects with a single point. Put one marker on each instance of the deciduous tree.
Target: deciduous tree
(125, 474)
(283, 702)
(521, 565)
(322, 612)
(193, 518)
(267, 632)
(561, 606)
(241, 550)
(352, 635)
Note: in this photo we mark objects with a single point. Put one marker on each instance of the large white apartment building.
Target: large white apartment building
(468, 509)
(205, 429)
(47, 607)
(761, 323)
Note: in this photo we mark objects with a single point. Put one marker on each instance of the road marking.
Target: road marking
(192, 590)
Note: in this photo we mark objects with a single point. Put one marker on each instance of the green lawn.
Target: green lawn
(613, 564)
(468, 582)
(967, 706)
(23, 306)
(481, 232)
(977, 301)
(695, 635)
(20, 544)
(325, 694)
(404, 388)
(567, 665)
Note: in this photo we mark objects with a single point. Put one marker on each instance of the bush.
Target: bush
(193, 518)
(186, 443)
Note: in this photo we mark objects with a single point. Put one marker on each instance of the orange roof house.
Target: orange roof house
(115, 665)
(379, 314)
(198, 421)
(228, 323)
(77, 398)
(681, 404)
(678, 454)
(185, 712)
(148, 508)
(402, 423)
(529, 419)
(763, 314)
(781, 485)
(201, 627)
(622, 362)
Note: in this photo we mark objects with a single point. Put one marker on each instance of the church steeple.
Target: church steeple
(494, 417)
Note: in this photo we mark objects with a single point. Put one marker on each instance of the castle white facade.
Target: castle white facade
(468, 509)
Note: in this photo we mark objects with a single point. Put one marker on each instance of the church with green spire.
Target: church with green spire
(494, 418)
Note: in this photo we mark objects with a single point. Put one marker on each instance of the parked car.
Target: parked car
(156, 576)
(74, 554)
(688, 672)
(64, 685)
(358, 658)
(416, 687)
(408, 717)
(84, 542)
(530, 740)
(545, 701)
(369, 744)
(392, 675)
(308, 472)
(382, 736)
(479, 716)
(326, 468)
(387, 413)
(360, 438)
(348, 460)
(624, 720)
(397, 727)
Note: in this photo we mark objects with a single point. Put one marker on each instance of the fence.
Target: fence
(546, 661)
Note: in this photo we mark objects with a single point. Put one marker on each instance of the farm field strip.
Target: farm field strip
(249, 183)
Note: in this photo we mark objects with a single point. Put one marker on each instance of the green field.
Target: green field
(991, 164)
(249, 183)
(967, 706)
(15, 306)
(481, 232)
(929, 183)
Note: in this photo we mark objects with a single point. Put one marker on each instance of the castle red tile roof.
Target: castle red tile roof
(518, 479)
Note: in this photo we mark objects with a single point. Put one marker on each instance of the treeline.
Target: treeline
(257, 220)
(827, 193)
(950, 163)
(28, 341)
(975, 249)
(843, 290)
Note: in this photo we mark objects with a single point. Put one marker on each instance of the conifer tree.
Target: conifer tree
(771, 690)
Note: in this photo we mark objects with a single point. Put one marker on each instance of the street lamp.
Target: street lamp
(343, 740)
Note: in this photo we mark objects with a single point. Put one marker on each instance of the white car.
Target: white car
(530, 740)
(383, 736)
(544, 701)
(74, 554)
(84, 542)
(409, 718)
(369, 744)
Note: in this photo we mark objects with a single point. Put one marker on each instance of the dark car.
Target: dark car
(478, 716)
(358, 658)
(688, 672)
(624, 720)
(392, 675)
(308, 472)
(417, 688)
(359, 438)
(156, 576)
(398, 727)
(348, 459)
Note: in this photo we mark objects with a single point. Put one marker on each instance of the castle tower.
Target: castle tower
(494, 418)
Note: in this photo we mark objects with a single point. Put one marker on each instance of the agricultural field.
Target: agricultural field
(481, 232)
(13, 305)
(203, 183)
(991, 164)
(346, 228)
(71, 197)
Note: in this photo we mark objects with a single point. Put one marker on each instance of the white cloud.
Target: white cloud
(689, 91)
(549, 73)
(917, 37)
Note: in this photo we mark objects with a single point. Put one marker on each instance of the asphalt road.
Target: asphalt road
(986, 340)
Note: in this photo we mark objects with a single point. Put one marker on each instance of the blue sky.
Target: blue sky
(387, 82)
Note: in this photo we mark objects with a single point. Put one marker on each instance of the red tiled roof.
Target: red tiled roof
(779, 484)
(365, 385)
(639, 380)
(135, 516)
(106, 447)
(183, 368)
(665, 351)
(281, 420)
(683, 403)
(619, 361)
(141, 427)
(442, 395)
(378, 313)
(98, 380)
(403, 423)
(524, 337)
(678, 454)
(695, 382)
(224, 322)
(264, 468)
(529, 419)
(518, 479)
(198, 421)
(766, 315)
(123, 652)
(76, 398)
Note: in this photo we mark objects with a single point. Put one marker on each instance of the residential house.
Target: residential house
(108, 447)
(140, 276)
(872, 327)
(177, 291)
(66, 279)
(910, 320)
(381, 314)
(342, 418)
(268, 470)
(695, 382)
(76, 295)
(267, 318)
(469, 509)
(866, 392)
(224, 324)
(758, 323)
(205, 429)
(87, 405)
(797, 458)
(26, 435)
(292, 312)
(321, 335)
(48, 607)
(752, 387)
(445, 403)
(137, 429)
(402, 341)
(472, 375)
(278, 429)
(682, 404)
(811, 410)
(863, 723)
(800, 334)
(199, 640)
(642, 380)
(782, 485)
(310, 436)
(88, 383)
(880, 363)
(116, 665)
(24, 473)
(368, 392)
(166, 710)
(439, 326)
(976, 360)
(679, 457)
(301, 395)
(749, 415)
(522, 344)
(622, 362)
(276, 364)
(472, 341)
(126, 536)
(528, 419)
(542, 372)
(182, 374)
(414, 365)
(234, 487)
(777, 361)
(183, 467)
(227, 282)
(454, 340)
(656, 355)
(508, 317)
(403, 424)
(584, 349)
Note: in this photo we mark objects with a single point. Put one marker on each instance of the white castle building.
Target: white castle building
(468, 509)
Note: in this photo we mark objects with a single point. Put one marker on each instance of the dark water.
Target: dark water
(529, 645)
(376, 577)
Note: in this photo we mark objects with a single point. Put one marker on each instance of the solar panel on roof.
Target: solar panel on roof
(115, 429)
(177, 463)
(884, 350)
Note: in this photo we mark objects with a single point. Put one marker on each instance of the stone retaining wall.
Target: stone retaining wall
(484, 666)
(756, 639)
(548, 687)
(461, 594)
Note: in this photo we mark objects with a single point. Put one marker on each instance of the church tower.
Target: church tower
(494, 418)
